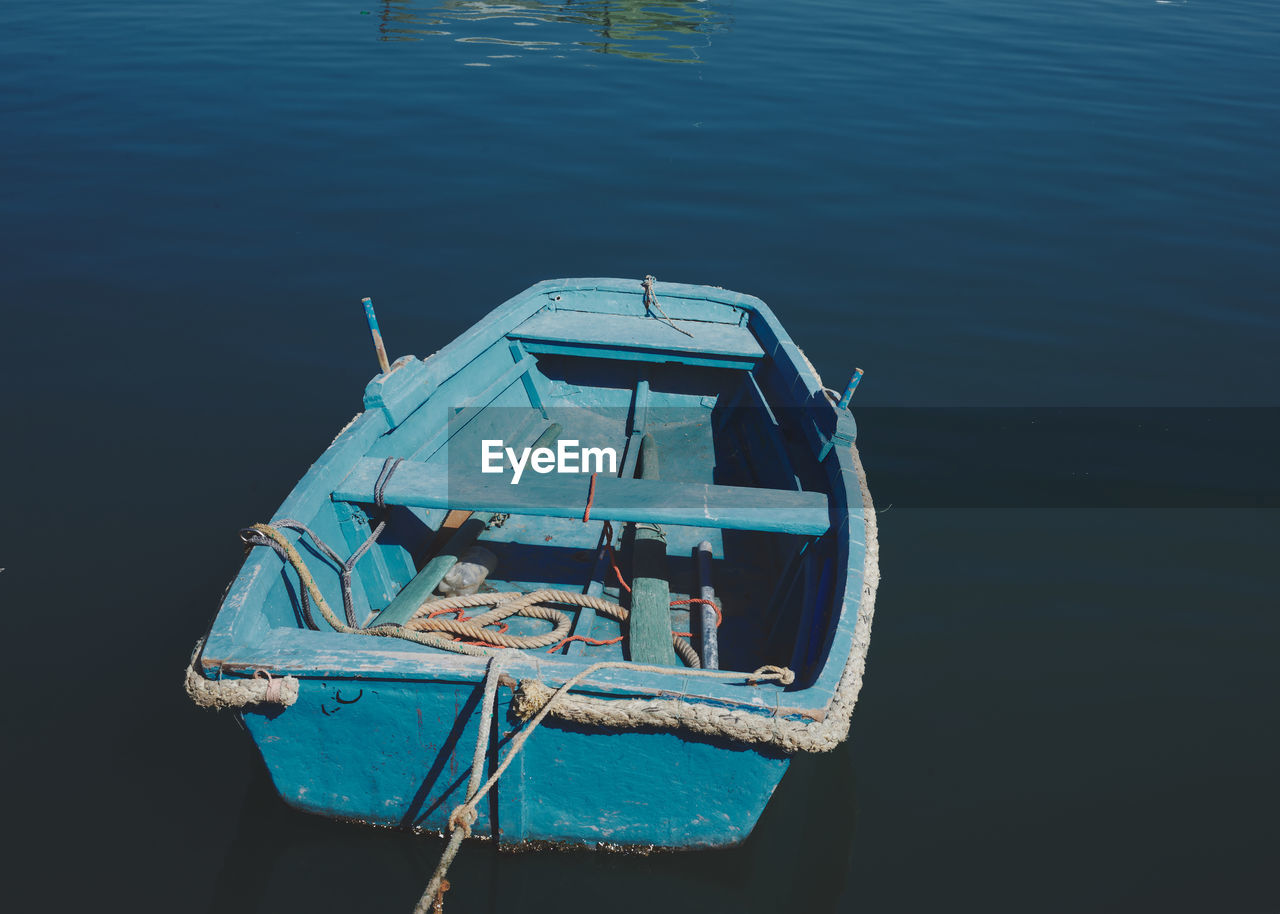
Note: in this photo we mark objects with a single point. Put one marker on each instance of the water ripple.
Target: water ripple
(670, 31)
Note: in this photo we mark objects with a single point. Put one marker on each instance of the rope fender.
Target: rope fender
(221, 694)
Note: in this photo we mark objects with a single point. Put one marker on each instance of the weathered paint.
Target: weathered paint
(343, 744)
(384, 729)
(649, 628)
(616, 499)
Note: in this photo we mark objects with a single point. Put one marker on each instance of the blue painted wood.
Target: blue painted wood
(395, 722)
(482, 400)
(625, 296)
(371, 572)
(639, 338)
(849, 389)
(596, 351)
(419, 590)
(423, 752)
(483, 381)
(518, 353)
(584, 624)
(639, 411)
(688, 504)
(399, 391)
(649, 626)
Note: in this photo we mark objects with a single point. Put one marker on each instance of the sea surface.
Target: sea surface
(1057, 209)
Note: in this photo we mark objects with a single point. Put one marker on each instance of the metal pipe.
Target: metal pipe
(710, 641)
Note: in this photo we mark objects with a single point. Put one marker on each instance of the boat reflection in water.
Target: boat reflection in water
(664, 30)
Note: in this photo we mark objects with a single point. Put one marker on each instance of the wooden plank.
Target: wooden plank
(585, 622)
(565, 495)
(476, 405)
(530, 389)
(649, 626)
(371, 571)
(452, 521)
(623, 336)
(419, 590)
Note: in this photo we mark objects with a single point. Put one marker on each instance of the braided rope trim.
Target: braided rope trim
(791, 735)
(226, 694)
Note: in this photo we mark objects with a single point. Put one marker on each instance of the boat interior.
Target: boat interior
(709, 443)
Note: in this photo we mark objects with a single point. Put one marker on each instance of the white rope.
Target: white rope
(462, 817)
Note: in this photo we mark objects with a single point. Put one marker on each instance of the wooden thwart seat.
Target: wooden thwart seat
(427, 485)
(643, 339)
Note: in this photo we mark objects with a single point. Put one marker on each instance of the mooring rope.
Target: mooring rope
(430, 639)
(345, 566)
(464, 815)
(651, 301)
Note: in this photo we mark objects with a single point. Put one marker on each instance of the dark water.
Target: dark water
(989, 203)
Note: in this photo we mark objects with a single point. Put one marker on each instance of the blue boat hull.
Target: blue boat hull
(397, 754)
(764, 476)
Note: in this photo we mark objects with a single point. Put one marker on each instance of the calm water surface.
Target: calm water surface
(988, 203)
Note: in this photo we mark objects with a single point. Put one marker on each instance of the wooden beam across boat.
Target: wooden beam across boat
(427, 485)
(641, 339)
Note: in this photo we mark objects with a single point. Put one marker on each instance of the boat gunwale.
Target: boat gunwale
(237, 643)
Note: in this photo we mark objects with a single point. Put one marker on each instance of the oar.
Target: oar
(649, 626)
(401, 609)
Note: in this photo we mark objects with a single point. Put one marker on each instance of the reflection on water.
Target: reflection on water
(665, 30)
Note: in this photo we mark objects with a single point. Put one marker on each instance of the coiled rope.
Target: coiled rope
(287, 551)
(531, 605)
(425, 626)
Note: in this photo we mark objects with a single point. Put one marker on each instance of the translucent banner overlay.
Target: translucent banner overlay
(915, 457)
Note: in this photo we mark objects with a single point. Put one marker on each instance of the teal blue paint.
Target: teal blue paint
(371, 573)
(621, 333)
(687, 504)
(530, 388)
(591, 350)
(649, 626)
(397, 392)
(848, 391)
(392, 753)
(585, 623)
(370, 316)
(377, 335)
(419, 590)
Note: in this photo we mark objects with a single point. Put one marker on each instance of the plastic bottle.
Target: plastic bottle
(474, 565)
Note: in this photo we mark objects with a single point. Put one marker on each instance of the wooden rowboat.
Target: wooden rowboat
(689, 546)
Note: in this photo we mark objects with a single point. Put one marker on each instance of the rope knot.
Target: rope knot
(530, 697)
(437, 904)
(273, 685)
(461, 819)
(781, 673)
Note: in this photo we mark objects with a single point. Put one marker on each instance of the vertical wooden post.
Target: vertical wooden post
(377, 335)
(649, 625)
